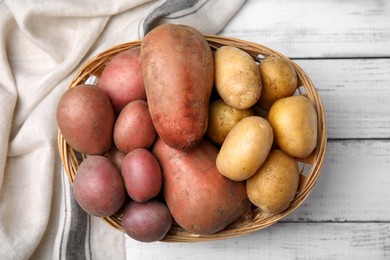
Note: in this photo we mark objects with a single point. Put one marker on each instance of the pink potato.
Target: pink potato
(146, 222)
(133, 127)
(98, 186)
(86, 119)
(122, 79)
(142, 175)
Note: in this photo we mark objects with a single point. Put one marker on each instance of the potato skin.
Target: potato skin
(222, 118)
(245, 148)
(200, 199)
(98, 186)
(122, 79)
(86, 119)
(178, 70)
(273, 187)
(294, 120)
(237, 77)
(146, 222)
(141, 174)
(134, 127)
(279, 80)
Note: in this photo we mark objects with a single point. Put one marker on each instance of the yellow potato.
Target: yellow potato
(273, 187)
(222, 118)
(237, 77)
(294, 121)
(279, 80)
(245, 148)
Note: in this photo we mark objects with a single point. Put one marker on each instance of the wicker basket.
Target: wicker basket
(309, 167)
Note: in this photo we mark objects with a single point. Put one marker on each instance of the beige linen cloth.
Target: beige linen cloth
(43, 43)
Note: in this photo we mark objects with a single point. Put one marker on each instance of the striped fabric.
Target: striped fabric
(208, 16)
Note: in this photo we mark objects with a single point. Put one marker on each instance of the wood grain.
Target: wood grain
(353, 185)
(305, 28)
(355, 94)
(281, 241)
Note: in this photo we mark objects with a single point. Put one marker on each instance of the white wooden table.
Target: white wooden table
(344, 46)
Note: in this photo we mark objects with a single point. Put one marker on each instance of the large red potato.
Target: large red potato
(86, 119)
(200, 199)
(178, 69)
(98, 186)
(122, 79)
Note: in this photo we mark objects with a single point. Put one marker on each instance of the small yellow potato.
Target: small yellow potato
(237, 77)
(279, 80)
(294, 121)
(273, 187)
(245, 148)
(222, 118)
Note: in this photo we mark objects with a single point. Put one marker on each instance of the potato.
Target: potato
(142, 175)
(178, 69)
(134, 127)
(98, 186)
(222, 118)
(279, 80)
(237, 77)
(245, 148)
(122, 79)
(86, 119)
(200, 199)
(146, 222)
(273, 187)
(294, 121)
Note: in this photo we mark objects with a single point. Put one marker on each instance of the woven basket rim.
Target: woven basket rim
(256, 221)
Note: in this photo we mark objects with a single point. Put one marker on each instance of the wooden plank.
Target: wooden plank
(280, 241)
(304, 28)
(353, 184)
(355, 94)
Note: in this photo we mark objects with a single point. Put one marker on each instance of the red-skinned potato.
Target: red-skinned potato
(134, 127)
(141, 174)
(98, 186)
(200, 199)
(178, 69)
(146, 222)
(86, 119)
(122, 79)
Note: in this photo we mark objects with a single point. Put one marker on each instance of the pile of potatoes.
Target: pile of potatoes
(173, 134)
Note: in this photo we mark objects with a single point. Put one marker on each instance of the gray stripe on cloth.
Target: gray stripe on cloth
(163, 9)
(77, 236)
(76, 229)
(64, 232)
(184, 13)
